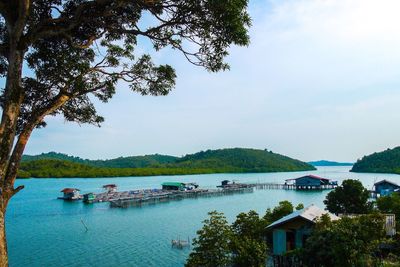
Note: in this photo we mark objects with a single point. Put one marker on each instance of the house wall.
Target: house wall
(381, 188)
(279, 241)
(299, 226)
(306, 181)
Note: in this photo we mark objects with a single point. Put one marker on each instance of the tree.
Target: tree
(346, 242)
(390, 204)
(212, 244)
(80, 49)
(248, 244)
(350, 197)
(284, 208)
(300, 206)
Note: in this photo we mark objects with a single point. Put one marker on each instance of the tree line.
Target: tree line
(387, 161)
(237, 160)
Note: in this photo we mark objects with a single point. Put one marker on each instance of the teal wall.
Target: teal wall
(279, 241)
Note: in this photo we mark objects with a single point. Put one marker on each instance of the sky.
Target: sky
(320, 80)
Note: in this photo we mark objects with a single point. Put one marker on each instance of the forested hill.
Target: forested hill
(121, 162)
(387, 161)
(235, 160)
(242, 160)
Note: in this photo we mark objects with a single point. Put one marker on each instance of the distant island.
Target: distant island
(387, 161)
(321, 163)
(230, 160)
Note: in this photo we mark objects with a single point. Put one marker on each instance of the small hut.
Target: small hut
(311, 182)
(291, 231)
(70, 194)
(173, 186)
(89, 197)
(110, 188)
(385, 188)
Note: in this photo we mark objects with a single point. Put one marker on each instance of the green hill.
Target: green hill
(121, 162)
(234, 160)
(387, 161)
(241, 160)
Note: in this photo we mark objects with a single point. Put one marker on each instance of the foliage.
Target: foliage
(245, 237)
(345, 242)
(387, 161)
(213, 161)
(350, 197)
(248, 244)
(300, 206)
(243, 160)
(212, 244)
(120, 162)
(284, 208)
(66, 169)
(248, 252)
(390, 204)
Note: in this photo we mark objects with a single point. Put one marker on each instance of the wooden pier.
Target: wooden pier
(291, 186)
(164, 196)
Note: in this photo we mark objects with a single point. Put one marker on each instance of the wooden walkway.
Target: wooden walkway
(291, 186)
(165, 196)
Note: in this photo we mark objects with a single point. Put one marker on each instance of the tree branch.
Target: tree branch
(19, 147)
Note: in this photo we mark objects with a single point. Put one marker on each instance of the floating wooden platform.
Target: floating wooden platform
(164, 196)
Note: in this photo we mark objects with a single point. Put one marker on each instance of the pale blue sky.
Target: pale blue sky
(319, 80)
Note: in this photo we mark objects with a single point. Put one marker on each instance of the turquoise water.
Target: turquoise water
(44, 231)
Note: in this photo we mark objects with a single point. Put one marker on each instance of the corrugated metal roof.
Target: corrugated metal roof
(172, 184)
(69, 190)
(386, 181)
(309, 176)
(310, 213)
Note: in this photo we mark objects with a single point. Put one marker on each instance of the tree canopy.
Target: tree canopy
(237, 160)
(349, 197)
(346, 242)
(387, 161)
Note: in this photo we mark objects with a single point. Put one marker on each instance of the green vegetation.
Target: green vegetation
(350, 241)
(349, 197)
(211, 247)
(235, 160)
(121, 162)
(390, 204)
(242, 243)
(345, 242)
(387, 161)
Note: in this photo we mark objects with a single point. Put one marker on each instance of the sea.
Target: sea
(45, 231)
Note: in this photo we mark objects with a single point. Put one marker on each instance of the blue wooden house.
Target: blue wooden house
(311, 182)
(385, 187)
(291, 231)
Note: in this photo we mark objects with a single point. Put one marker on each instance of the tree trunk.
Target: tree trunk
(5, 197)
(3, 241)
(13, 94)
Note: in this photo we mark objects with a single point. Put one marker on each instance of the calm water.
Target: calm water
(44, 231)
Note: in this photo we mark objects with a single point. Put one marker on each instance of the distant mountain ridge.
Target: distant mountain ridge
(228, 160)
(320, 163)
(387, 161)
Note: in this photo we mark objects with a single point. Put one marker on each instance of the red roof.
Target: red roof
(310, 176)
(69, 190)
